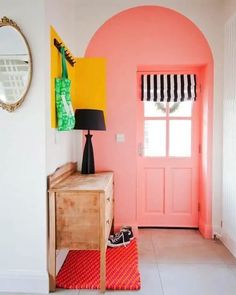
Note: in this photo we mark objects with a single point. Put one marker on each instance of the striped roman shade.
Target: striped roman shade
(168, 87)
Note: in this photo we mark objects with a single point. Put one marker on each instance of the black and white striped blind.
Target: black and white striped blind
(169, 87)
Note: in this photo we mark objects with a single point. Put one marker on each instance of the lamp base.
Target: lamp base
(88, 158)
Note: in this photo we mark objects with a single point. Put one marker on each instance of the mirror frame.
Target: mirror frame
(11, 107)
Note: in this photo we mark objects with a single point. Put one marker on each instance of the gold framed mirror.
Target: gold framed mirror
(15, 65)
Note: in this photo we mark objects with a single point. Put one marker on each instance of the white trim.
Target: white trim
(229, 242)
(217, 231)
(24, 281)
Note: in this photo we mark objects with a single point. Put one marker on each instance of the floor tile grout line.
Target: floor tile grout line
(156, 264)
(196, 263)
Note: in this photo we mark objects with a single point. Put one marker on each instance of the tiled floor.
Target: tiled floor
(179, 262)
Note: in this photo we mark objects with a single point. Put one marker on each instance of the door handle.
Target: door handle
(140, 149)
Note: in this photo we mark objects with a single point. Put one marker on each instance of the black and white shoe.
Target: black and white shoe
(119, 239)
(128, 228)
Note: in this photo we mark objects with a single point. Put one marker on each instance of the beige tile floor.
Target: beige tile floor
(178, 262)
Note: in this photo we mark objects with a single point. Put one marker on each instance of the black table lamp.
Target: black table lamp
(87, 119)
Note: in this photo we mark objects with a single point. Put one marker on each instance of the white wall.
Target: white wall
(229, 143)
(207, 15)
(62, 147)
(23, 226)
(229, 9)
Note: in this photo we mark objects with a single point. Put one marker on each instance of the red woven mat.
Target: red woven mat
(81, 269)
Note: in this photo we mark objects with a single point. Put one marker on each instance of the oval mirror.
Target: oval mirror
(15, 65)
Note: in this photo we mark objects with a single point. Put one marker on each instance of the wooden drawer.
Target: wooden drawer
(77, 220)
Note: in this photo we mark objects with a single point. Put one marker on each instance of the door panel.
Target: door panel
(152, 188)
(181, 185)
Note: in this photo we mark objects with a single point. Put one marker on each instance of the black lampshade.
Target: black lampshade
(87, 119)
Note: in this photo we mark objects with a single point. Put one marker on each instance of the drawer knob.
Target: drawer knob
(108, 221)
(109, 199)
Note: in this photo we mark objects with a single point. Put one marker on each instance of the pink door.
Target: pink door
(168, 143)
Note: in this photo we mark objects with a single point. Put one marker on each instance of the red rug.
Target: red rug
(81, 269)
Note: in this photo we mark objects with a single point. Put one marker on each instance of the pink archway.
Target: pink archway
(148, 36)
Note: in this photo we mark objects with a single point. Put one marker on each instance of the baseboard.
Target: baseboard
(205, 230)
(229, 242)
(24, 281)
(217, 232)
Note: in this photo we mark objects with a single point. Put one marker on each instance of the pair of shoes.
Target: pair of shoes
(119, 239)
(128, 228)
(122, 238)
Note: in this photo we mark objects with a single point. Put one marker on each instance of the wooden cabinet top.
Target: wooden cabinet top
(84, 182)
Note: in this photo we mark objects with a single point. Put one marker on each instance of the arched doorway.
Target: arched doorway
(148, 36)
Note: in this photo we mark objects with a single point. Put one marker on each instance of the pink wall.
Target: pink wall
(141, 36)
(205, 216)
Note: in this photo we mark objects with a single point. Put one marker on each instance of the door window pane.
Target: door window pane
(180, 138)
(154, 109)
(181, 109)
(155, 138)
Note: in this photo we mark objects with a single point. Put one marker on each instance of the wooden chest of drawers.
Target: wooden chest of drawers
(81, 216)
